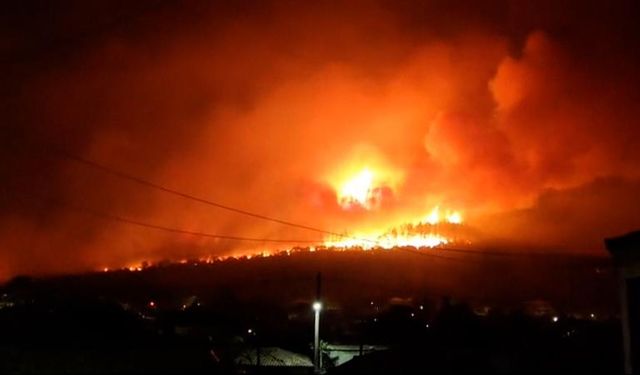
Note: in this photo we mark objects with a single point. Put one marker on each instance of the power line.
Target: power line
(428, 253)
(250, 239)
(194, 233)
(124, 220)
(107, 216)
(165, 189)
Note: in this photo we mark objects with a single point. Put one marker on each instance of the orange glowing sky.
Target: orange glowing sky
(517, 118)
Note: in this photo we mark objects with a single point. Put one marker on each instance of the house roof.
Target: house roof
(273, 357)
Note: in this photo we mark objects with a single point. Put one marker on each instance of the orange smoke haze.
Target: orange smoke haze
(518, 118)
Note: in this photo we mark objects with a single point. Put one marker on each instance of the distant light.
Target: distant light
(412, 315)
(317, 306)
(427, 325)
(454, 218)
(375, 320)
(152, 304)
(249, 331)
(554, 319)
(593, 316)
(371, 303)
(421, 307)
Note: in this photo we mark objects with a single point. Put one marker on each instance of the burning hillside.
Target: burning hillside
(431, 231)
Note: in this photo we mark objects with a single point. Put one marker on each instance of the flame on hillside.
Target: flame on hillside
(434, 230)
(366, 188)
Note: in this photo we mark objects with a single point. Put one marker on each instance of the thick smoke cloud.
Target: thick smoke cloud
(522, 115)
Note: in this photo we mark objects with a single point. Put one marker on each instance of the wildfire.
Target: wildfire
(425, 233)
(388, 241)
(358, 190)
(432, 231)
(365, 180)
(364, 187)
(434, 217)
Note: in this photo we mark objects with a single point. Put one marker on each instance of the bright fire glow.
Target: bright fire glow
(388, 241)
(432, 231)
(359, 184)
(454, 218)
(434, 217)
(365, 180)
(358, 190)
(419, 234)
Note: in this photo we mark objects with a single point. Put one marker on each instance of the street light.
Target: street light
(317, 306)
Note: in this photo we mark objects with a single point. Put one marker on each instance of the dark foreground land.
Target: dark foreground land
(421, 315)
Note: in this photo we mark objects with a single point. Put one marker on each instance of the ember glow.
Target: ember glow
(366, 181)
(364, 190)
(358, 191)
(435, 217)
(388, 241)
(419, 234)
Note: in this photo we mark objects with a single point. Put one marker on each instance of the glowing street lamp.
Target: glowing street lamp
(317, 306)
